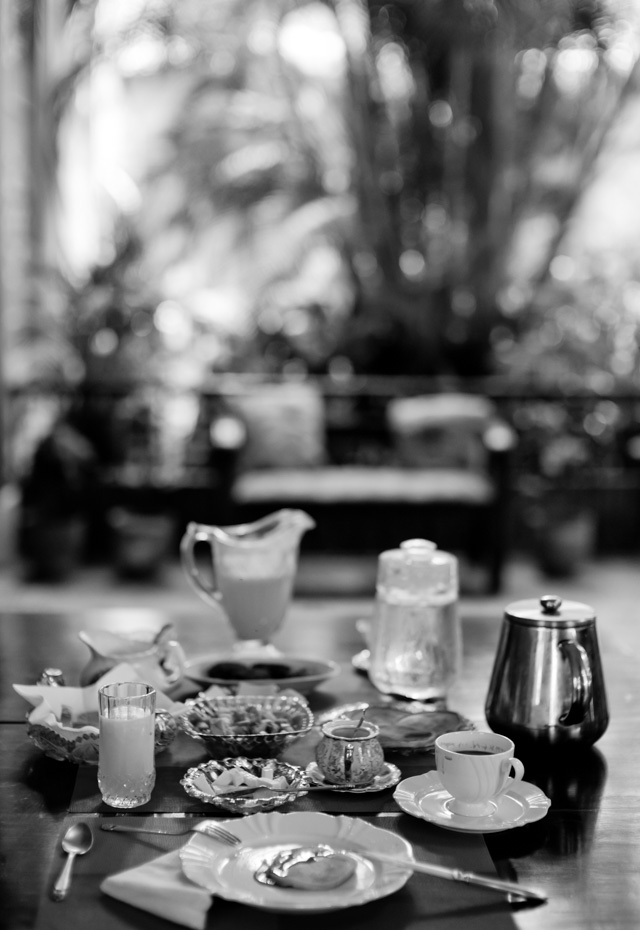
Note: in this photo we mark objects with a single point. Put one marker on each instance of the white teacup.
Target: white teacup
(475, 769)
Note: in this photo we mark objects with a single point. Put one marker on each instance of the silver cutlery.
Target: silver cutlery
(77, 841)
(458, 875)
(438, 871)
(205, 827)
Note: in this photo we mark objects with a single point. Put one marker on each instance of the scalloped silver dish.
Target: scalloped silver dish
(81, 746)
(388, 778)
(199, 718)
(195, 782)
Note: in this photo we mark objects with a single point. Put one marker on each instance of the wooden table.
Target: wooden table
(585, 855)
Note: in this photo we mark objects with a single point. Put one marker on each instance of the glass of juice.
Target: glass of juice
(126, 764)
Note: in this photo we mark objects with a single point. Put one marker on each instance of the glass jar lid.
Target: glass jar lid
(417, 567)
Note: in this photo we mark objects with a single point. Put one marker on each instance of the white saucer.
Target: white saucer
(389, 777)
(423, 796)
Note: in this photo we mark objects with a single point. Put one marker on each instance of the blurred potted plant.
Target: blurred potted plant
(55, 500)
(102, 359)
(557, 512)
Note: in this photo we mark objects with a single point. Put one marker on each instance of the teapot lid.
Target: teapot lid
(550, 610)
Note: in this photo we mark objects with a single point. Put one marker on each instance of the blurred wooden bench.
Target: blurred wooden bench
(444, 475)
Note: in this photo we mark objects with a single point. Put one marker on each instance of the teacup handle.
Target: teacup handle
(195, 533)
(517, 776)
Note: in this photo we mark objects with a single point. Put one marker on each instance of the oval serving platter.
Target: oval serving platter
(227, 670)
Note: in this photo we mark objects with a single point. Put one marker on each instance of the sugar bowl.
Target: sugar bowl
(349, 754)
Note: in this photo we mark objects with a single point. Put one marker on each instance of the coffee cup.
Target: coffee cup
(475, 768)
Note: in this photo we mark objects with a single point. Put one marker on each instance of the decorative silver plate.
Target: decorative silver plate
(197, 782)
(223, 724)
(388, 778)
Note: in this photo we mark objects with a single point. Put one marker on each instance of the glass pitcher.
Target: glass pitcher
(253, 568)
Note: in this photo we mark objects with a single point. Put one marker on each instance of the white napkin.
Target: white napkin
(49, 700)
(161, 888)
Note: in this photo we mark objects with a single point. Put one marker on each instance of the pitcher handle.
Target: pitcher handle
(173, 661)
(581, 685)
(194, 534)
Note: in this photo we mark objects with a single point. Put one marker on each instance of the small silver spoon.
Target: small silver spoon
(362, 716)
(77, 840)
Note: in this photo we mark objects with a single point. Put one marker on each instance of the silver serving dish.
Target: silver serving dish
(79, 742)
(197, 782)
(247, 725)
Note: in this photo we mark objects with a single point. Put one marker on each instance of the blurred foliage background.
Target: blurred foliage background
(341, 189)
(332, 187)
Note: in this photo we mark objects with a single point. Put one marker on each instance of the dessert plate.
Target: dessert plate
(405, 727)
(423, 796)
(229, 872)
(389, 777)
(228, 670)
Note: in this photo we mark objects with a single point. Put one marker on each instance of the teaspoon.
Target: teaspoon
(362, 716)
(77, 840)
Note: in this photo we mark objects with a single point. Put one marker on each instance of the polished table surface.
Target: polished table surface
(585, 855)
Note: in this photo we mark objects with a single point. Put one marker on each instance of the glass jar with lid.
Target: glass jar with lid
(416, 642)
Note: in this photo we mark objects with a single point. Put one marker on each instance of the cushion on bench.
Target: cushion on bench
(354, 484)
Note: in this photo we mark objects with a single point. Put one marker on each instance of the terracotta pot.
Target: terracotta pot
(565, 542)
(141, 542)
(57, 547)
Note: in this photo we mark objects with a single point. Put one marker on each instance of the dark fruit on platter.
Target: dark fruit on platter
(238, 671)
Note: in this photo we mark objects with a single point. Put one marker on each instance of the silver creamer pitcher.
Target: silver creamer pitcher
(547, 686)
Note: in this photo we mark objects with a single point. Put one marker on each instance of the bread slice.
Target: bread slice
(319, 874)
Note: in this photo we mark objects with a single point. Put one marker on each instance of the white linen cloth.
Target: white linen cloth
(161, 888)
(49, 700)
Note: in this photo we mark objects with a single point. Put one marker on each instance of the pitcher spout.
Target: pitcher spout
(287, 526)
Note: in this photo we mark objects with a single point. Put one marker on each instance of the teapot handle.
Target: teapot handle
(194, 534)
(581, 687)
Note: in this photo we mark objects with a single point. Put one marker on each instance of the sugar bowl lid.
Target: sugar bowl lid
(551, 611)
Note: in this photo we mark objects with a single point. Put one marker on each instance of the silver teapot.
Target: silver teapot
(547, 686)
